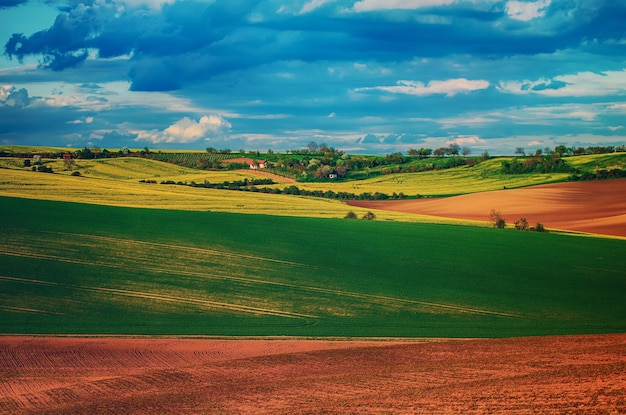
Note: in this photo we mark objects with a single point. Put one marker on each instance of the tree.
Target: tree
(496, 219)
(522, 225)
(454, 149)
(350, 215)
(540, 228)
(519, 151)
(441, 151)
(69, 163)
(85, 153)
(425, 152)
(485, 155)
(413, 152)
(369, 216)
(560, 150)
(466, 151)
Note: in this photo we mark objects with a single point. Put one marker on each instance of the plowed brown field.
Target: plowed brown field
(592, 207)
(569, 374)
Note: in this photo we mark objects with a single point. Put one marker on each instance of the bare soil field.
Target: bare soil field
(537, 375)
(592, 207)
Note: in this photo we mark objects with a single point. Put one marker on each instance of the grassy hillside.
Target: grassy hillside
(484, 176)
(459, 180)
(131, 193)
(598, 161)
(75, 268)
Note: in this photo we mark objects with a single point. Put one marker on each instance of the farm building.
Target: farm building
(254, 164)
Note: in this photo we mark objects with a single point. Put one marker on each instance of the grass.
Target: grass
(482, 177)
(90, 269)
(116, 183)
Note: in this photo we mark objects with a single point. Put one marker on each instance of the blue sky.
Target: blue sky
(365, 76)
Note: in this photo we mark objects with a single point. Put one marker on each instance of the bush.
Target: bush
(496, 219)
(350, 215)
(44, 169)
(76, 173)
(369, 216)
(539, 228)
(522, 225)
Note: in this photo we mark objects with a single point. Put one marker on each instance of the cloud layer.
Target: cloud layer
(342, 71)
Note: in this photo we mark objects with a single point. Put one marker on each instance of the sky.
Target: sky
(363, 76)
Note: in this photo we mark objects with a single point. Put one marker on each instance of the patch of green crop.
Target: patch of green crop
(87, 269)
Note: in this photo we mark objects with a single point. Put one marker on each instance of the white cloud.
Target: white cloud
(615, 128)
(187, 130)
(525, 10)
(618, 107)
(579, 84)
(467, 140)
(369, 5)
(313, 4)
(151, 4)
(86, 120)
(448, 87)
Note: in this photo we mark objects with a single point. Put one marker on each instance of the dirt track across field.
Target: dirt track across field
(538, 375)
(592, 207)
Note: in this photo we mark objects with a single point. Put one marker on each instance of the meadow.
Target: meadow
(480, 177)
(73, 268)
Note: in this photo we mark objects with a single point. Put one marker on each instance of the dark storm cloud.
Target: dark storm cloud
(5, 4)
(189, 41)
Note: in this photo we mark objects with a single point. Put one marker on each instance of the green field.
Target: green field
(70, 268)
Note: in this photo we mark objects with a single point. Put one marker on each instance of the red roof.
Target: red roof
(243, 160)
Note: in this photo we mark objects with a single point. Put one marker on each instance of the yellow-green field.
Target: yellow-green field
(116, 182)
(480, 178)
(99, 186)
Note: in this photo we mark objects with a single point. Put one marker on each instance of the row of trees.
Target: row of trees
(562, 150)
(367, 216)
(452, 150)
(498, 222)
(539, 163)
(602, 174)
(250, 185)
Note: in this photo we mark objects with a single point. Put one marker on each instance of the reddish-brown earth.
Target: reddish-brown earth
(592, 207)
(537, 375)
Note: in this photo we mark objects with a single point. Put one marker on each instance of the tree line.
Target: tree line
(250, 185)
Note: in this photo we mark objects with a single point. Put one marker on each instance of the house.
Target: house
(253, 164)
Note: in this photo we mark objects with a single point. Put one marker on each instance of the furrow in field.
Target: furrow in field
(196, 301)
(187, 248)
(362, 296)
(28, 310)
(172, 299)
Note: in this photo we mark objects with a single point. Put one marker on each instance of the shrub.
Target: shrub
(539, 228)
(522, 225)
(44, 169)
(350, 215)
(369, 216)
(75, 173)
(496, 219)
